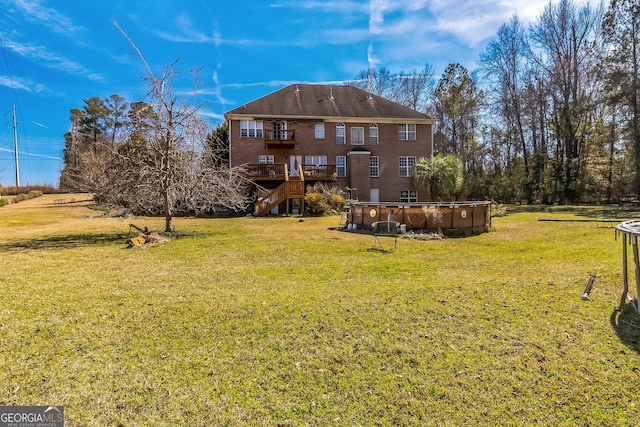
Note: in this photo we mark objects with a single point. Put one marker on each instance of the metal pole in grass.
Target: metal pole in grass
(625, 274)
(587, 289)
(15, 146)
(636, 261)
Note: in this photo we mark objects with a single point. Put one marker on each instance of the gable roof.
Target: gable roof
(306, 101)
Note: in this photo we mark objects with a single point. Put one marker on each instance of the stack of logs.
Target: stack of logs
(144, 237)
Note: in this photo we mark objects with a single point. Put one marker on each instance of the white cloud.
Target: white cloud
(34, 11)
(468, 20)
(40, 125)
(185, 32)
(473, 21)
(333, 6)
(22, 84)
(50, 59)
(217, 89)
(407, 33)
(185, 37)
(377, 9)
(338, 36)
(215, 38)
(211, 115)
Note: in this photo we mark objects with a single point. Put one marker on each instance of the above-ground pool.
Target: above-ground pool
(459, 218)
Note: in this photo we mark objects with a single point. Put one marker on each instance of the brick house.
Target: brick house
(303, 134)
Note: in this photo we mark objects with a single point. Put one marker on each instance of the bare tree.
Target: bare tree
(150, 157)
(412, 90)
(165, 165)
(565, 40)
(416, 88)
(503, 65)
(378, 81)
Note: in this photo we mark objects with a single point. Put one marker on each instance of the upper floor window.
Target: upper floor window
(341, 166)
(374, 166)
(408, 196)
(373, 134)
(319, 130)
(251, 128)
(407, 132)
(357, 136)
(407, 165)
(340, 134)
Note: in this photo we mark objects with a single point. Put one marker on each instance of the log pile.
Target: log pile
(145, 237)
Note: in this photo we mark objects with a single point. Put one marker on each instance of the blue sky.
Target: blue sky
(54, 54)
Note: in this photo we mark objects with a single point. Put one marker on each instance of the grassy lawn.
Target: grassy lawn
(255, 321)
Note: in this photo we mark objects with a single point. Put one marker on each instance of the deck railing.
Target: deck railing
(280, 134)
(279, 171)
(323, 172)
(267, 171)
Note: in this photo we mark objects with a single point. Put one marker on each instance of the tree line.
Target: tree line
(550, 115)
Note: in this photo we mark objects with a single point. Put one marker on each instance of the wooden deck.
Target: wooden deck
(291, 184)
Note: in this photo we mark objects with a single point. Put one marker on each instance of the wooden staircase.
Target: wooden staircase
(291, 188)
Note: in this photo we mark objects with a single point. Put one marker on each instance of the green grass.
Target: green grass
(255, 321)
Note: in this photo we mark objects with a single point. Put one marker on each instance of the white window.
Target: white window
(340, 134)
(341, 166)
(407, 132)
(250, 129)
(265, 159)
(315, 160)
(407, 165)
(315, 165)
(319, 130)
(408, 196)
(357, 136)
(373, 134)
(374, 166)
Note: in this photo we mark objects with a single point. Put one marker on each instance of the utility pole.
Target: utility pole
(15, 145)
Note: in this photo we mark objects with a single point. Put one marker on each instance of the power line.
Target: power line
(6, 61)
(16, 102)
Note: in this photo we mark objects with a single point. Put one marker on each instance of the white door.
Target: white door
(294, 162)
(374, 195)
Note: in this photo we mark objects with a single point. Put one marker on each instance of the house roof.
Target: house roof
(306, 101)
